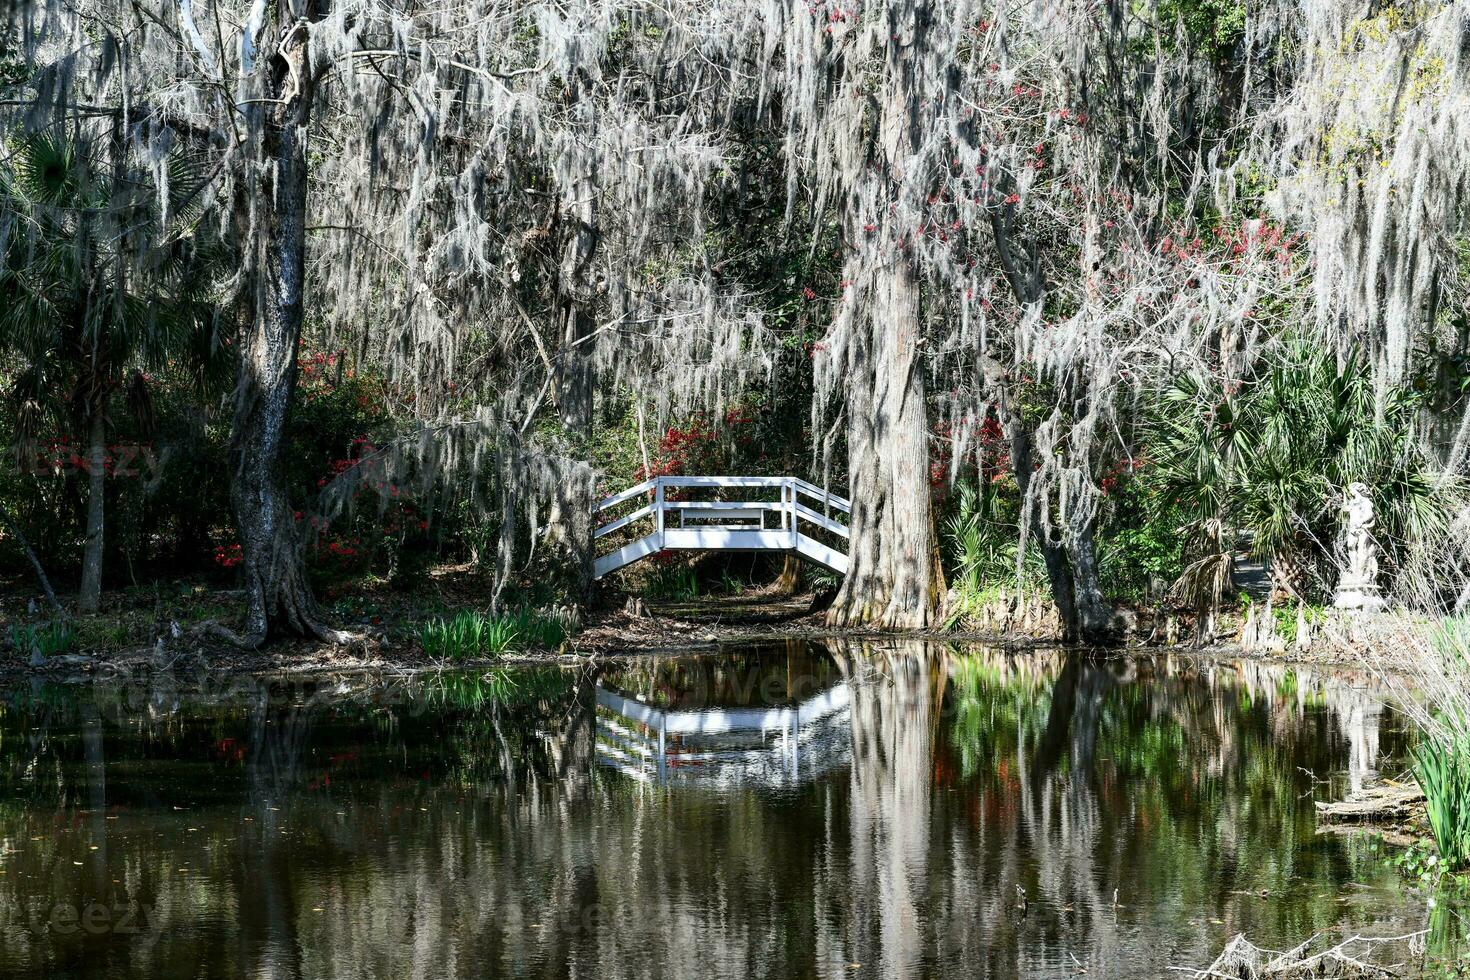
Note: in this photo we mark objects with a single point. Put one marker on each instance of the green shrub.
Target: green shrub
(1287, 620)
(820, 578)
(1139, 546)
(980, 543)
(1268, 456)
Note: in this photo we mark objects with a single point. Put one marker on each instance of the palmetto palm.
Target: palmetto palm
(1270, 455)
(99, 283)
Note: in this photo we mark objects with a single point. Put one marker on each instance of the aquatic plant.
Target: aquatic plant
(1442, 767)
(1440, 665)
(1427, 663)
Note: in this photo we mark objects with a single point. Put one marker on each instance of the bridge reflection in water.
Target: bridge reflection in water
(721, 747)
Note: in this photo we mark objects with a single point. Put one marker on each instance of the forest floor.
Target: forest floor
(158, 629)
(164, 626)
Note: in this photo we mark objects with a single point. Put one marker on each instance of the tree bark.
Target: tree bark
(575, 289)
(279, 598)
(89, 596)
(891, 578)
(1095, 620)
(790, 576)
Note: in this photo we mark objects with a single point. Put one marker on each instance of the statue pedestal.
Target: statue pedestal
(1359, 596)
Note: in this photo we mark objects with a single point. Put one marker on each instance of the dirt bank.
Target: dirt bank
(158, 629)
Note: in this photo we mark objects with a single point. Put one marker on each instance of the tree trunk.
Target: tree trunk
(278, 595)
(576, 291)
(89, 596)
(790, 576)
(890, 580)
(1070, 557)
(890, 576)
(1071, 561)
(1095, 620)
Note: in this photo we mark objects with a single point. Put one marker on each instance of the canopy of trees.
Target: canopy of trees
(1118, 289)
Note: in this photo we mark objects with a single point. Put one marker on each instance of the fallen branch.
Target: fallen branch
(1383, 801)
(1243, 960)
(25, 545)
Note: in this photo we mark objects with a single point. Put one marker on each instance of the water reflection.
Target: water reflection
(744, 720)
(833, 810)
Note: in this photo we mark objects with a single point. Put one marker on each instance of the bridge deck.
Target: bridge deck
(680, 524)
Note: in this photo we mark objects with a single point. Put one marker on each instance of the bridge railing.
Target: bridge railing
(729, 525)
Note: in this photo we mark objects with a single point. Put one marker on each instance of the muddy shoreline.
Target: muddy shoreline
(610, 632)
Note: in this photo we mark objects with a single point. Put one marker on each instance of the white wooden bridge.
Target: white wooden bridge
(679, 523)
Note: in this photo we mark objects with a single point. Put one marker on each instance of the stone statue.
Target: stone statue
(1357, 586)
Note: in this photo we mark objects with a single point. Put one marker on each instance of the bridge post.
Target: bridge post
(788, 494)
(658, 508)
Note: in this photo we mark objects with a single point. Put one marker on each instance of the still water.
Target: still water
(808, 810)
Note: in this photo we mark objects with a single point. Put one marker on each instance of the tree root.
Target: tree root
(255, 640)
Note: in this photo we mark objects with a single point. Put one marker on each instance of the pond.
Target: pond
(815, 809)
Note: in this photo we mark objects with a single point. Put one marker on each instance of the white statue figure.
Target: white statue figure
(1357, 586)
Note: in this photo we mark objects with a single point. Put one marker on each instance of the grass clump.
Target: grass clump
(1442, 758)
(674, 584)
(49, 640)
(536, 628)
(1427, 663)
(1442, 766)
(472, 633)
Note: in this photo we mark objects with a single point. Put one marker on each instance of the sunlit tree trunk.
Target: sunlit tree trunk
(790, 577)
(278, 595)
(891, 578)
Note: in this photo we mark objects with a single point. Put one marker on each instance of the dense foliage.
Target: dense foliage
(1087, 300)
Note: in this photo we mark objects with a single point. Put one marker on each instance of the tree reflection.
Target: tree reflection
(992, 813)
